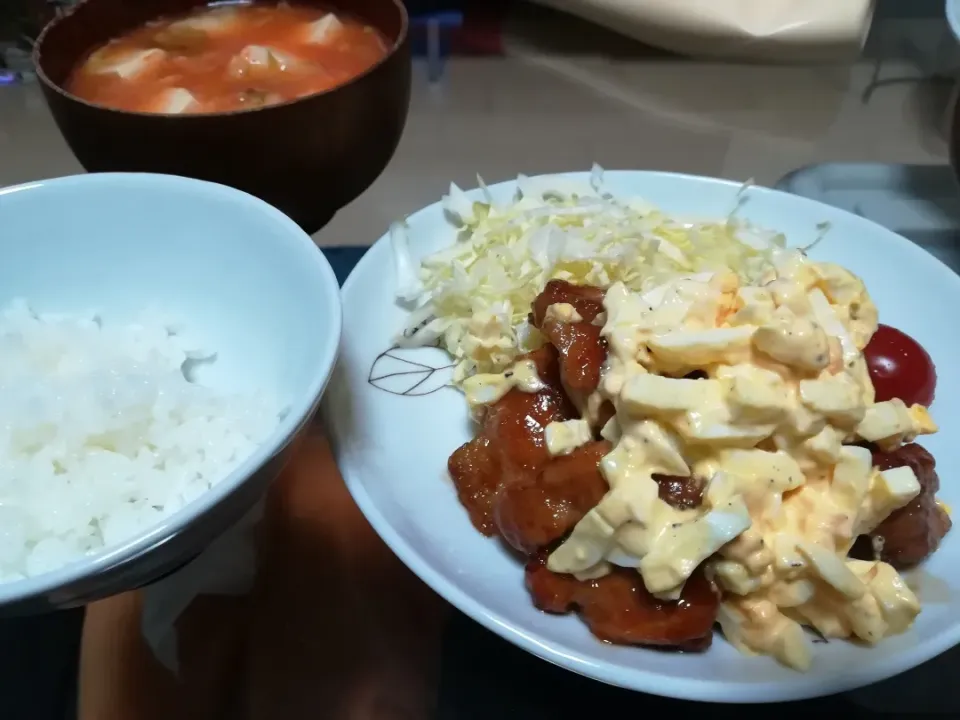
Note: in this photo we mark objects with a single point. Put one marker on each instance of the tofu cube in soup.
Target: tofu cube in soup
(175, 101)
(260, 61)
(126, 65)
(324, 30)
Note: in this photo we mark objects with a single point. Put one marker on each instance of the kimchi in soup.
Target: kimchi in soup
(227, 57)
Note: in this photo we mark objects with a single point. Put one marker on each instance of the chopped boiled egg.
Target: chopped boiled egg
(680, 549)
(851, 477)
(898, 604)
(832, 570)
(757, 394)
(795, 341)
(794, 267)
(825, 447)
(758, 626)
(624, 526)
(645, 394)
(716, 426)
(922, 421)
(886, 607)
(659, 448)
(891, 422)
(488, 388)
(753, 471)
(563, 437)
(845, 292)
(592, 536)
(611, 430)
(836, 397)
(793, 593)
(887, 491)
(803, 422)
(789, 297)
(735, 577)
(826, 316)
(695, 348)
(756, 306)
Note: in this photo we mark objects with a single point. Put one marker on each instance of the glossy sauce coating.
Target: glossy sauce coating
(582, 353)
(582, 348)
(537, 511)
(511, 446)
(618, 609)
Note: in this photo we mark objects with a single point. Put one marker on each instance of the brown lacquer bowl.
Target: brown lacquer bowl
(308, 157)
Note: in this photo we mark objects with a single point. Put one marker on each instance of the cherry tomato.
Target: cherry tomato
(900, 367)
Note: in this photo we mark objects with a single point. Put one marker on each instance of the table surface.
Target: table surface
(564, 95)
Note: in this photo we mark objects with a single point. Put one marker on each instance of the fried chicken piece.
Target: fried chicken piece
(511, 444)
(582, 348)
(535, 512)
(475, 469)
(582, 354)
(912, 533)
(586, 300)
(508, 482)
(618, 609)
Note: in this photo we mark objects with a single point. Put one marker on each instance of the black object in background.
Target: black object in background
(39, 658)
(418, 7)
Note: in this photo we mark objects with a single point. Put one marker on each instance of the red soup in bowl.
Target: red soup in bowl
(228, 57)
(300, 103)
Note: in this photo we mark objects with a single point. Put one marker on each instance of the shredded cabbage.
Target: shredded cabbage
(473, 298)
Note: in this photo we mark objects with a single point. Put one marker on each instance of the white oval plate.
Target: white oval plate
(393, 450)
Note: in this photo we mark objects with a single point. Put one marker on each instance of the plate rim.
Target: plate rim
(802, 686)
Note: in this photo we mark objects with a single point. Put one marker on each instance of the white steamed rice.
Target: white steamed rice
(102, 435)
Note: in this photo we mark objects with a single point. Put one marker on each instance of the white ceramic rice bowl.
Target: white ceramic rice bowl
(238, 273)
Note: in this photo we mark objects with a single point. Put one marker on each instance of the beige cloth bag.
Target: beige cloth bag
(790, 31)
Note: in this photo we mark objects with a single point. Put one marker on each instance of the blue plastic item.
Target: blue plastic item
(430, 38)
